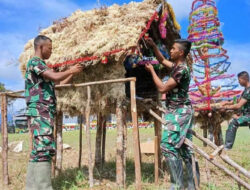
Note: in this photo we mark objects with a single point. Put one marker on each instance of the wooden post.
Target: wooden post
(194, 173)
(220, 166)
(59, 143)
(208, 173)
(98, 142)
(80, 142)
(157, 126)
(103, 141)
(205, 133)
(4, 131)
(119, 143)
(135, 136)
(88, 134)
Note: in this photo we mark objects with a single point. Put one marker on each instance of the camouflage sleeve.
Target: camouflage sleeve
(178, 74)
(38, 66)
(246, 94)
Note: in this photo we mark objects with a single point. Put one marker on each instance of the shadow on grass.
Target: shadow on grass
(74, 178)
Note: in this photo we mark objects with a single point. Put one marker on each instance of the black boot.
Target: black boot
(176, 173)
(190, 177)
(230, 135)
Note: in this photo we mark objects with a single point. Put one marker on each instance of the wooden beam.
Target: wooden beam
(88, 134)
(220, 166)
(95, 83)
(4, 131)
(59, 142)
(135, 136)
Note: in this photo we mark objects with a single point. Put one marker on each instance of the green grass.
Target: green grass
(73, 178)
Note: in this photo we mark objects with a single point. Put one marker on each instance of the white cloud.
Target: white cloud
(182, 8)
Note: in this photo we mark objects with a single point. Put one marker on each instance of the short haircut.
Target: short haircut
(244, 74)
(39, 39)
(185, 45)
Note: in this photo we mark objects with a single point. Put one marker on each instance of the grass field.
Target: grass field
(73, 178)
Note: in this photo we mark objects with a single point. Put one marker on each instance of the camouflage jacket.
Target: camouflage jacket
(178, 97)
(39, 92)
(246, 95)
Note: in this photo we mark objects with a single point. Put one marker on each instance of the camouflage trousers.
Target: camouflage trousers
(43, 144)
(179, 121)
(232, 129)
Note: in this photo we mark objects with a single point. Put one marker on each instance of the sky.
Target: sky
(21, 20)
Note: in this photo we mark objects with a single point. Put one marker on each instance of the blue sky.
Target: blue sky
(20, 20)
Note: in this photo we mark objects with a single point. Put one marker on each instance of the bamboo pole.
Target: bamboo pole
(53, 165)
(119, 146)
(194, 173)
(4, 139)
(80, 142)
(59, 143)
(224, 157)
(96, 83)
(98, 142)
(223, 168)
(88, 134)
(135, 136)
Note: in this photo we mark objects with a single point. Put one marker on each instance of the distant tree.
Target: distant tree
(2, 87)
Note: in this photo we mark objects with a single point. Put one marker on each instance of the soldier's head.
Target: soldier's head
(43, 46)
(243, 78)
(180, 49)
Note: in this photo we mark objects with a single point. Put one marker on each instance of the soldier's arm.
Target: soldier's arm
(60, 76)
(241, 103)
(159, 55)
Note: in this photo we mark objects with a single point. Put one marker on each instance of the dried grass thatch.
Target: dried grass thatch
(93, 33)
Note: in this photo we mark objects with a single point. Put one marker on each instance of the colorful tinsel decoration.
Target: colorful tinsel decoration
(210, 59)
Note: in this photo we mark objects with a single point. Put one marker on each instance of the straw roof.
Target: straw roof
(92, 33)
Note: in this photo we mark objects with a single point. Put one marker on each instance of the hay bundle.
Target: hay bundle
(93, 33)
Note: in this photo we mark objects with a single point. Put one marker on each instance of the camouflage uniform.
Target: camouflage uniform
(179, 114)
(179, 117)
(41, 108)
(243, 120)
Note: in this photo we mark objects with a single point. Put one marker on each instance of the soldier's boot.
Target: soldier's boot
(190, 177)
(43, 175)
(176, 172)
(230, 135)
(30, 178)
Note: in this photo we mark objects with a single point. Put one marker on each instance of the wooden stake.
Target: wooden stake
(88, 134)
(135, 136)
(59, 143)
(156, 147)
(220, 166)
(98, 142)
(119, 144)
(53, 165)
(124, 146)
(4, 131)
(80, 142)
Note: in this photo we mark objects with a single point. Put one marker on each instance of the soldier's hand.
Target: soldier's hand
(150, 42)
(76, 69)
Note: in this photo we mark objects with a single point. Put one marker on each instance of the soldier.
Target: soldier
(244, 105)
(179, 115)
(41, 109)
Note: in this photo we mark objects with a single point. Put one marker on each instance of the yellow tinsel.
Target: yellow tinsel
(171, 12)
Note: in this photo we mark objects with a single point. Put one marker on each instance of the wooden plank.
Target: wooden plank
(135, 136)
(4, 131)
(220, 166)
(88, 135)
